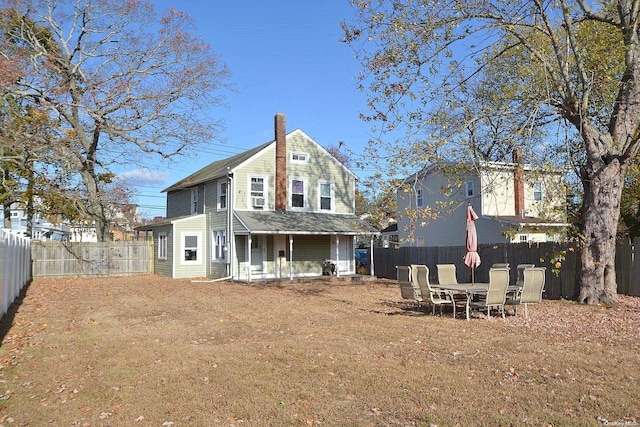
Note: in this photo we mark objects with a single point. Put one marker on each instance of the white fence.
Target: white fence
(15, 265)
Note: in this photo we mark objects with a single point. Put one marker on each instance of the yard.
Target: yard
(152, 351)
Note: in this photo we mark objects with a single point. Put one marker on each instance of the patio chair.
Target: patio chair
(404, 282)
(447, 274)
(532, 289)
(500, 265)
(495, 295)
(520, 277)
(420, 280)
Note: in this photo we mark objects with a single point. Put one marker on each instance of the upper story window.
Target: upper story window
(162, 246)
(300, 157)
(194, 201)
(469, 189)
(258, 197)
(298, 194)
(326, 196)
(419, 199)
(14, 214)
(222, 195)
(538, 191)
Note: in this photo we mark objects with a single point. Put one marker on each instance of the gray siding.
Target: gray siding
(163, 267)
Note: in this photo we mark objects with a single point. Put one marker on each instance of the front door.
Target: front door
(258, 256)
(344, 255)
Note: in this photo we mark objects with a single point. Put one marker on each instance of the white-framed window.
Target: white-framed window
(219, 245)
(469, 189)
(419, 199)
(222, 195)
(298, 193)
(257, 192)
(194, 200)
(162, 245)
(14, 214)
(538, 191)
(297, 157)
(325, 191)
(191, 247)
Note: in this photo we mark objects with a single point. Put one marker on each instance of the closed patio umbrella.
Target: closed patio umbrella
(471, 259)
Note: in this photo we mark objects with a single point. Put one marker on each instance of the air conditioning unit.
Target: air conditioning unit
(257, 202)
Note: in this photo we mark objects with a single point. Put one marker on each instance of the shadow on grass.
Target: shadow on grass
(7, 319)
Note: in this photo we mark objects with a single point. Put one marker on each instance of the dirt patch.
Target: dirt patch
(154, 351)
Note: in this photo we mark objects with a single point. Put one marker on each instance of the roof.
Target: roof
(216, 169)
(287, 222)
(528, 221)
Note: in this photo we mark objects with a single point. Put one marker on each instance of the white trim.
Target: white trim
(305, 194)
(161, 245)
(198, 247)
(265, 194)
(299, 154)
(332, 196)
(219, 185)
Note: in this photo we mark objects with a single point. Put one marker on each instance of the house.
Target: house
(514, 201)
(41, 228)
(285, 209)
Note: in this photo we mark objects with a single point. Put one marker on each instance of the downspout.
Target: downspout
(249, 243)
(230, 237)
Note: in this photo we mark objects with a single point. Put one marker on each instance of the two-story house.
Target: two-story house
(276, 211)
(514, 201)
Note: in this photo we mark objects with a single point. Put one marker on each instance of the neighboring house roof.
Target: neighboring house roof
(529, 221)
(216, 169)
(287, 222)
(393, 228)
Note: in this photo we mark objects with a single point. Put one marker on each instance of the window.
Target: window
(14, 214)
(222, 195)
(219, 242)
(162, 246)
(469, 189)
(538, 191)
(419, 200)
(191, 245)
(297, 193)
(258, 199)
(326, 196)
(300, 157)
(420, 241)
(194, 201)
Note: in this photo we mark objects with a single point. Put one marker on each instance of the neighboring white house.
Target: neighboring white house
(515, 203)
(41, 228)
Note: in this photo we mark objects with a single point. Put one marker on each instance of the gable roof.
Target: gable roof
(216, 169)
(220, 168)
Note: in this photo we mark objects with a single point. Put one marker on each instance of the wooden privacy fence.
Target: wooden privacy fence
(66, 259)
(15, 265)
(549, 255)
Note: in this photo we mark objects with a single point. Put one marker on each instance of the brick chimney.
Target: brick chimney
(518, 181)
(281, 162)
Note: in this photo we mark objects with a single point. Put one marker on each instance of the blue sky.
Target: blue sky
(284, 56)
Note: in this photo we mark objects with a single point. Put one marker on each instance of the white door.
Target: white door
(344, 253)
(258, 248)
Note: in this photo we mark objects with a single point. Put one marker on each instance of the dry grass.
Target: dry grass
(158, 352)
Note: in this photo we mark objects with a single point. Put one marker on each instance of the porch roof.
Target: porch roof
(287, 222)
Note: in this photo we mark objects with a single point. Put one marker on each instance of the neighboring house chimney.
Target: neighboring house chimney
(518, 181)
(281, 162)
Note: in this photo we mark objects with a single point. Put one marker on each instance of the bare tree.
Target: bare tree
(120, 83)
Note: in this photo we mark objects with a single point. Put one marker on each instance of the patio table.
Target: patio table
(466, 289)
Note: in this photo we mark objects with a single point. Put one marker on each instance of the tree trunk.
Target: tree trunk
(601, 209)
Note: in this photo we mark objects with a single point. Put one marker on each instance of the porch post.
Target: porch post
(249, 257)
(337, 255)
(290, 256)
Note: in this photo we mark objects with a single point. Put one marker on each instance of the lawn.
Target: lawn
(152, 351)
